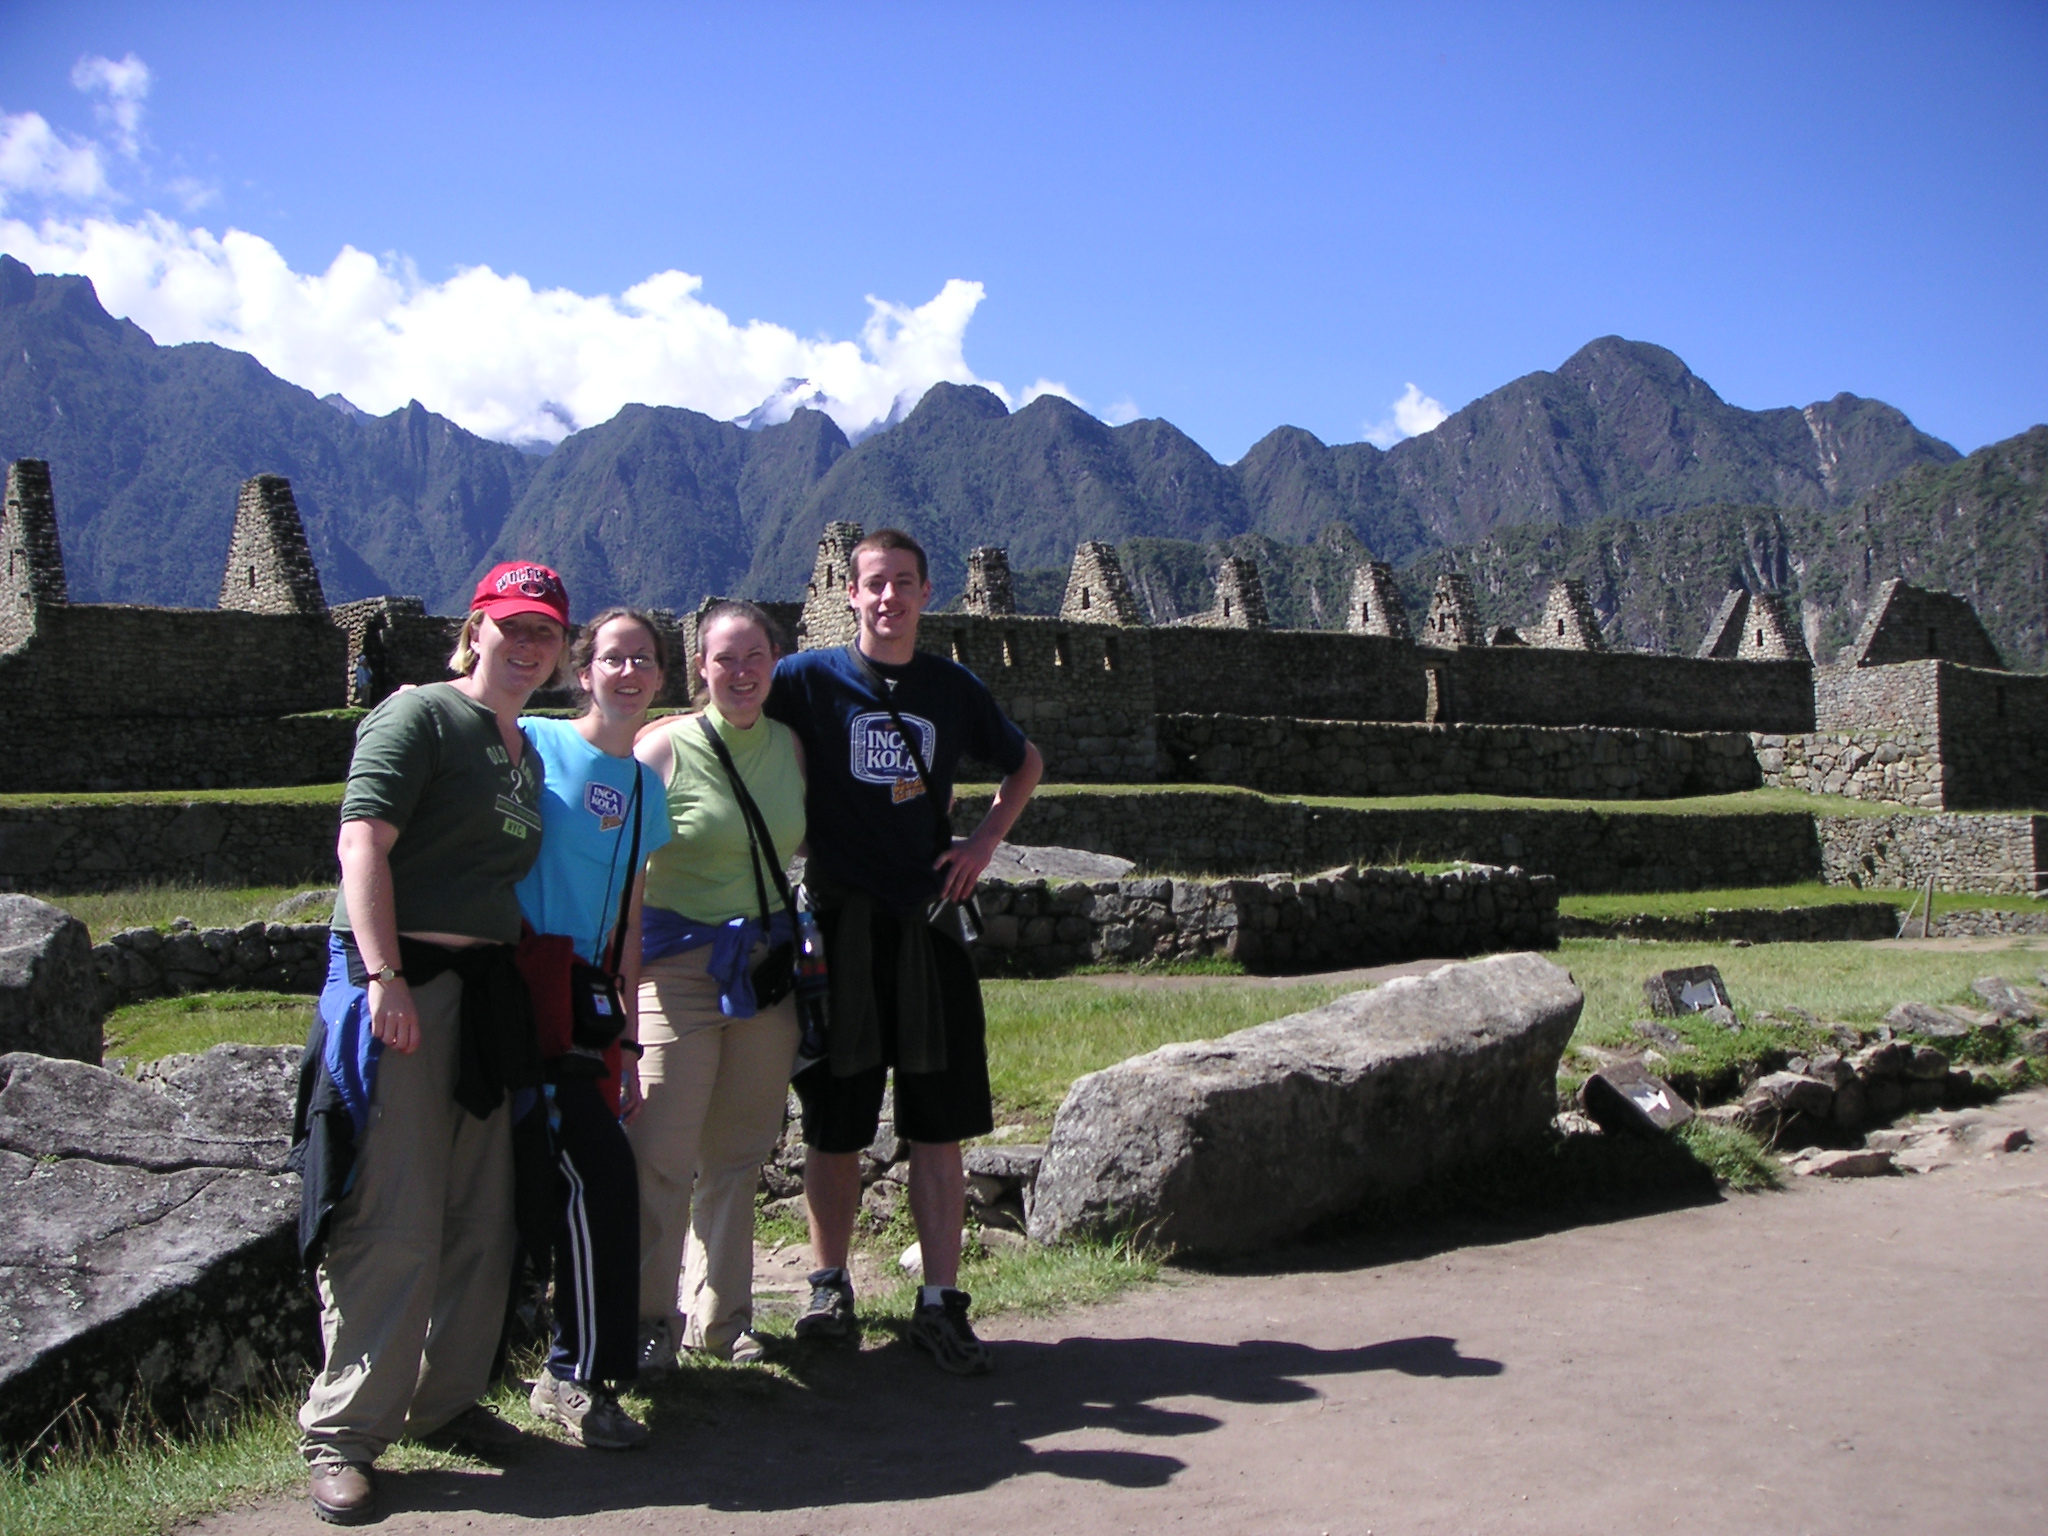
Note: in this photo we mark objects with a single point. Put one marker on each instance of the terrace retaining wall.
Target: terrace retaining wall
(1282, 755)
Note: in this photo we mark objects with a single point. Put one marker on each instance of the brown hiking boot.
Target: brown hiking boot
(342, 1492)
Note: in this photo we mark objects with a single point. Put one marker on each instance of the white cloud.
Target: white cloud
(1413, 414)
(124, 83)
(1122, 412)
(490, 350)
(36, 160)
(1052, 387)
(500, 356)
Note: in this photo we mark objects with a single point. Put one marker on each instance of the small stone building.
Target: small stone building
(1240, 601)
(1096, 590)
(1569, 622)
(1907, 623)
(989, 591)
(828, 618)
(1453, 614)
(270, 569)
(1375, 607)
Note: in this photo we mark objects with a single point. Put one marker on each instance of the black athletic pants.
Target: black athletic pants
(597, 1245)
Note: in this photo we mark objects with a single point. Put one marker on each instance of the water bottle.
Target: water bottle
(813, 983)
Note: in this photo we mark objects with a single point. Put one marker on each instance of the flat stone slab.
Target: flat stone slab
(1228, 1146)
(149, 1245)
(1024, 861)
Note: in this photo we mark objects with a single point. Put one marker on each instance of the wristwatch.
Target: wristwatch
(387, 974)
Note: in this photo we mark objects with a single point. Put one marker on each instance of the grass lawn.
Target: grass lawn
(106, 913)
(301, 794)
(1850, 983)
(1610, 907)
(1044, 1034)
(168, 1026)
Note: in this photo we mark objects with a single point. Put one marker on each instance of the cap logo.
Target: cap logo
(530, 580)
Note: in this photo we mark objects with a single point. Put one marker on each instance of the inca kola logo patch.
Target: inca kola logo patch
(606, 804)
(880, 757)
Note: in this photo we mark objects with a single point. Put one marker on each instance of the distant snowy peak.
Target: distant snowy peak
(346, 406)
(789, 397)
(793, 395)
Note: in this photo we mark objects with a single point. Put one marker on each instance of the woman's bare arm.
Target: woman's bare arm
(364, 849)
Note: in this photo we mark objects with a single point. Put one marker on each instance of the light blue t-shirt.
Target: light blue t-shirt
(585, 838)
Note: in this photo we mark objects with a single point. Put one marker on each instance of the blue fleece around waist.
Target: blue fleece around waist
(663, 932)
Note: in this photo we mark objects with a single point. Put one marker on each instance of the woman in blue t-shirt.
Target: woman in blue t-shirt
(596, 794)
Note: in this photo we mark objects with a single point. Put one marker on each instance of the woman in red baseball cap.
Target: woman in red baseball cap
(425, 1035)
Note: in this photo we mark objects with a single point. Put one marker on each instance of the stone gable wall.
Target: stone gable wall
(1283, 755)
(1908, 623)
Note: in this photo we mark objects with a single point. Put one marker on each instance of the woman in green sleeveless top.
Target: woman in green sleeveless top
(716, 1070)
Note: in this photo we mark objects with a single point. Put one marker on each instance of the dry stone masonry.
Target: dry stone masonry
(1376, 607)
(1285, 755)
(1342, 917)
(1569, 622)
(270, 569)
(989, 591)
(1096, 590)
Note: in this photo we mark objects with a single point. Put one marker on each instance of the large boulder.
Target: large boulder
(150, 1240)
(1227, 1146)
(49, 1002)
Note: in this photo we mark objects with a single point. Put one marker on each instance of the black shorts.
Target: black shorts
(841, 1114)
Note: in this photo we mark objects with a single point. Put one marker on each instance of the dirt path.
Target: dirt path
(1862, 1356)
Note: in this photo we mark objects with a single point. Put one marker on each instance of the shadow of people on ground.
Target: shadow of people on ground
(883, 1425)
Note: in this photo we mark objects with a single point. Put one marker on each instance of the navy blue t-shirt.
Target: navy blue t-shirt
(870, 825)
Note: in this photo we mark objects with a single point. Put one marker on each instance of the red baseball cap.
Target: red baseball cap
(520, 586)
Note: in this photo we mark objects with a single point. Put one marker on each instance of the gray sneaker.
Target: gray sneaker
(830, 1313)
(590, 1414)
(656, 1352)
(943, 1332)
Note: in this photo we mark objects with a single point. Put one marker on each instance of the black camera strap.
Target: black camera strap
(942, 814)
(618, 944)
(758, 836)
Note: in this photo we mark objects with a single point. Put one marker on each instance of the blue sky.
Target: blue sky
(1229, 216)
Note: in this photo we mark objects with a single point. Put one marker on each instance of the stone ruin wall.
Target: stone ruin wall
(1084, 693)
(1218, 832)
(1285, 756)
(1925, 733)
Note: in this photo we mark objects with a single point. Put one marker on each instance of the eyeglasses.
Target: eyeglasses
(641, 663)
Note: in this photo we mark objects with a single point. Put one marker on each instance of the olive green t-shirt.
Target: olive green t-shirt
(431, 762)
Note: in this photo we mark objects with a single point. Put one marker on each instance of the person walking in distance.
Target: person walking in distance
(883, 727)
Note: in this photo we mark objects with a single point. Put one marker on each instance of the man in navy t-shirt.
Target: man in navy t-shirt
(904, 993)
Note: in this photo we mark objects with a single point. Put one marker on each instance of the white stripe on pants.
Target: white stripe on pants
(419, 1255)
(715, 1089)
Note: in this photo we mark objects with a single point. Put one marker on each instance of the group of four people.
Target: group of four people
(494, 863)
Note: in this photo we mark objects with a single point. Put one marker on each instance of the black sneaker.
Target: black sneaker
(943, 1332)
(830, 1313)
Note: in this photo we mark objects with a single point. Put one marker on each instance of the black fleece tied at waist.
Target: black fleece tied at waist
(499, 1048)
(855, 1043)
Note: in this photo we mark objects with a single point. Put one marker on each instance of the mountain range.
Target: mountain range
(1602, 465)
